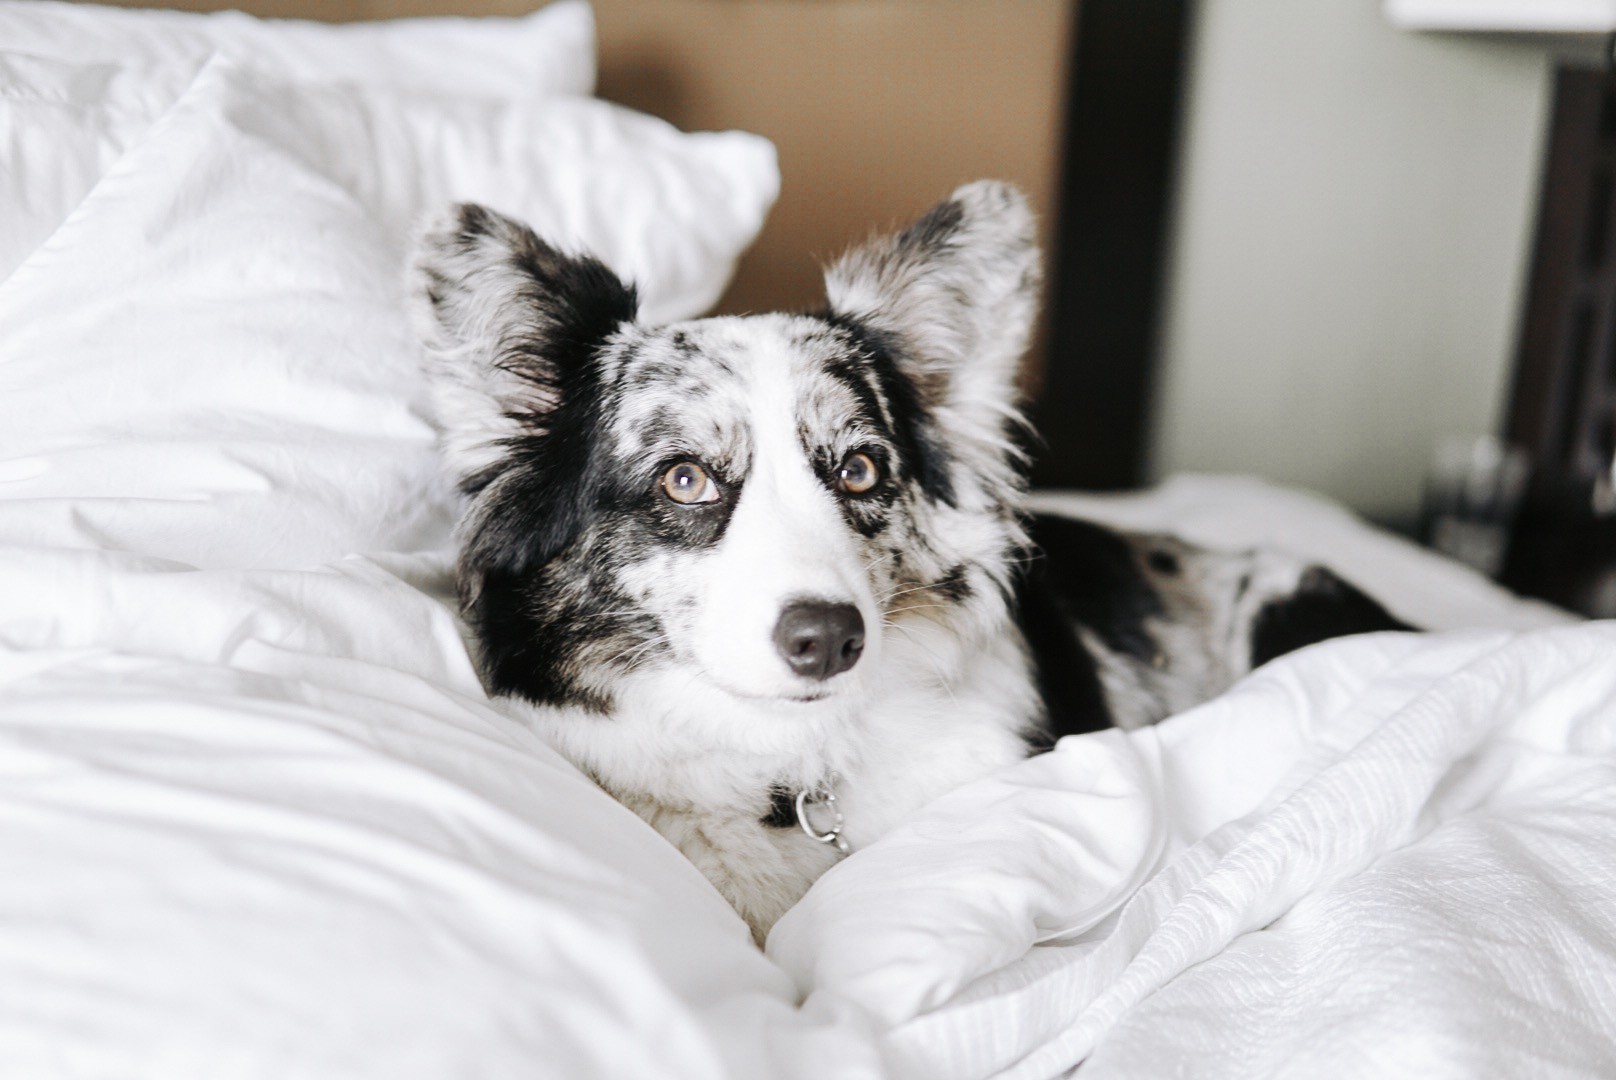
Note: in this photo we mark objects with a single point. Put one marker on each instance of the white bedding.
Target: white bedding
(1391, 856)
(264, 823)
(257, 818)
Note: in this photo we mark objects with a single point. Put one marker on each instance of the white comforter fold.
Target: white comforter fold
(266, 824)
(1393, 855)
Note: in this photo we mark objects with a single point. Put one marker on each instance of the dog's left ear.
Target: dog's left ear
(956, 293)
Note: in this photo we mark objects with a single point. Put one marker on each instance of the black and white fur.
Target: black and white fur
(647, 637)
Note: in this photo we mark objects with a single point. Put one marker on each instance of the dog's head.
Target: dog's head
(762, 506)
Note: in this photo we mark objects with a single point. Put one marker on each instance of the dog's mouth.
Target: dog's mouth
(777, 694)
(783, 677)
(806, 698)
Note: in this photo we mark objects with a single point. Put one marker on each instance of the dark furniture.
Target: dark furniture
(1562, 408)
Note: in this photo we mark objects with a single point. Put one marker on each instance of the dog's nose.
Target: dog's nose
(818, 639)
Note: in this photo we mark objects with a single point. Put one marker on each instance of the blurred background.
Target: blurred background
(1318, 242)
(1291, 240)
(1341, 233)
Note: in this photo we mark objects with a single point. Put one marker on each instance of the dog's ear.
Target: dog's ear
(956, 293)
(508, 325)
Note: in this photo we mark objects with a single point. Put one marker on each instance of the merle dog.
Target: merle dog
(768, 578)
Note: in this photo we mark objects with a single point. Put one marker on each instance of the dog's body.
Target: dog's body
(733, 564)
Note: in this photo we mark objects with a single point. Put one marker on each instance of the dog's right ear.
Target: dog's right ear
(509, 325)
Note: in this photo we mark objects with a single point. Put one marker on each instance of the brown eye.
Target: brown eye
(857, 475)
(688, 483)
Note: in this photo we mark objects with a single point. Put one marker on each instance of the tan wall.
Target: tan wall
(878, 107)
(342, 10)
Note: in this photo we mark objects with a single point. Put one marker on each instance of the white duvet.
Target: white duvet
(264, 823)
(1393, 856)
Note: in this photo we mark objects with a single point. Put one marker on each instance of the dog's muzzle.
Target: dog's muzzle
(819, 639)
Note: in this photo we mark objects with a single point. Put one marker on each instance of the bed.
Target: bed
(259, 819)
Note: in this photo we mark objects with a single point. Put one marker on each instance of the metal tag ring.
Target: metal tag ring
(821, 797)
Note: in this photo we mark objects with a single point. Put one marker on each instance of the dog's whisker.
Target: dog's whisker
(888, 557)
(631, 660)
(649, 646)
(895, 593)
(906, 609)
(943, 678)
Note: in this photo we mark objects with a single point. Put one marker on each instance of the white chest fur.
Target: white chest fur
(699, 764)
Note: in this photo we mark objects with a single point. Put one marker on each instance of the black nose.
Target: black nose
(819, 640)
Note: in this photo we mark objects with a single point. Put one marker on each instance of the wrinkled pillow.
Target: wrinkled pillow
(62, 125)
(210, 362)
(551, 51)
(80, 83)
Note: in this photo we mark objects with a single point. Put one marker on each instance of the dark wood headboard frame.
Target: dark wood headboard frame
(1105, 291)
(1562, 406)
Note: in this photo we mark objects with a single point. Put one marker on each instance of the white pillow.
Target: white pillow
(209, 362)
(551, 51)
(80, 83)
(62, 125)
(666, 210)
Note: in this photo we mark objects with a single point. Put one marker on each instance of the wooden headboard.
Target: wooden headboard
(1562, 406)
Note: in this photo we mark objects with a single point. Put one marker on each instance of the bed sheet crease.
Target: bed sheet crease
(266, 823)
(1385, 856)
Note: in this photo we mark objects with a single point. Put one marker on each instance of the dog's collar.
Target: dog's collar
(813, 806)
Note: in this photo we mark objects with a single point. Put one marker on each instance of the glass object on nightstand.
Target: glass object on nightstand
(1471, 498)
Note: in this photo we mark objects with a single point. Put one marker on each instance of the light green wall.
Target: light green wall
(1355, 213)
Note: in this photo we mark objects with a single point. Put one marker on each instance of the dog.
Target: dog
(768, 578)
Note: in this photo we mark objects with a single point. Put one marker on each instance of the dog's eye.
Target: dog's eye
(858, 474)
(689, 483)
